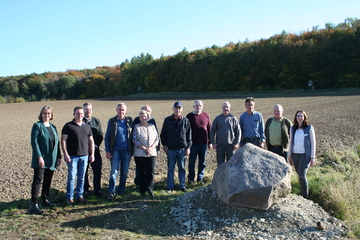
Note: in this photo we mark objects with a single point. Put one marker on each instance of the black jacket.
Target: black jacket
(176, 136)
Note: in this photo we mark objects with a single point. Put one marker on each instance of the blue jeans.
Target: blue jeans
(120, 159)
(302, 164)
(197, 150)
(77, 166)
(176, 156)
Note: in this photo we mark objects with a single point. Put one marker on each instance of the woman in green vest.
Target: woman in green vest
(45, 158)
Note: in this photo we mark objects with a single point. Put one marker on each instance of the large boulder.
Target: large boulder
(253, 178)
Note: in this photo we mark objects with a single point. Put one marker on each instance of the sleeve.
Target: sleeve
(163, 133)
(100, 136)
(135, 138)
(58, 144)
(241, 123)
(156, 142)
(266, 132)
(35, 134)
(90, 134)
(208, 129)
(291, 142)
(213, 131)
(188, 134)
(65, 129)
(262, 133)
(237, 131)
(107, 137)
(312, 142)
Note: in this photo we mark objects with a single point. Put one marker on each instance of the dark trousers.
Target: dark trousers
(280, 151)
(146, 170)
(224, 151)
(43, 175)
(302, 164)
(197, 150)
(254, 141)
(96, 168)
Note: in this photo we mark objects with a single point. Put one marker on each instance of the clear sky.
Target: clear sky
(57, 35)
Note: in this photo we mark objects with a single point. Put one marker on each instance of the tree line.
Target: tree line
(330, 57)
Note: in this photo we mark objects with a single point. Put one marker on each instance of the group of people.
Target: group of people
(180, 136)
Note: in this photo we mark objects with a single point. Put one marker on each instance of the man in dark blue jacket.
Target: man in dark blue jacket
(176, 139)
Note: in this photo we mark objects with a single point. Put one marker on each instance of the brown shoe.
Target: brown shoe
(111, 197)
(81, 200)
(70, 202)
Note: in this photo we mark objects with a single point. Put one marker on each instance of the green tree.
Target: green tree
(66, 86)
(10, 87)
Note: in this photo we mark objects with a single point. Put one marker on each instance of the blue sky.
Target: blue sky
(57, 35)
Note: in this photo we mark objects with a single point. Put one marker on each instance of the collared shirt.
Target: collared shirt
(275, 132)
(176, 120)
(121, 141)
(252, 126)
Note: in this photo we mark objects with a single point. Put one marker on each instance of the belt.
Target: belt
(251, 139)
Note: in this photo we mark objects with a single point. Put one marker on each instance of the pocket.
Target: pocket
(255, 124)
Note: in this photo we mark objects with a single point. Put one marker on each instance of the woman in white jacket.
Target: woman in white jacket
(302, 149)
(145, 139)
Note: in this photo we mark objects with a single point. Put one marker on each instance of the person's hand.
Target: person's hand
(312, 162)
(236, 146)
(108, 155)
(67, 158)
(214, 145)
(149, 150)
(262, 145)
(290, 160)
(58, 162)
(91, 159)
(210, 146)
(166, 149)
(187, 151)
(41, 162)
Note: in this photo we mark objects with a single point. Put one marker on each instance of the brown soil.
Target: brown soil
(334, 117)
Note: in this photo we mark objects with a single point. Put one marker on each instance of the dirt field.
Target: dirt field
(335, 118)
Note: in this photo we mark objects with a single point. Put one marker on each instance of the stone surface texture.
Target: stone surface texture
(253, 177)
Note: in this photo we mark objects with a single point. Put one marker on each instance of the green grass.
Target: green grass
(128, 217)
(335, 185)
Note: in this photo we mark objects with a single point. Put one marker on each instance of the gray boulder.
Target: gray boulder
(253, 178)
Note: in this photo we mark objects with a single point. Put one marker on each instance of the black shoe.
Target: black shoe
(34, 209)
(47, 203)
(142, 192)
(191, 182)
(200, 182)
(99, 194)
(184, 189)
(87, 193)
(81, 200)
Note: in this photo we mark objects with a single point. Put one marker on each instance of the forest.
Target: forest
(330, 57)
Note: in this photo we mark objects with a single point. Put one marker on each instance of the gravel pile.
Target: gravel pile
(202, 215)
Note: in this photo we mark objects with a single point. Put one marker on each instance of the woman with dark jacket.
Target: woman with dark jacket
(302, 148)
(45, 158)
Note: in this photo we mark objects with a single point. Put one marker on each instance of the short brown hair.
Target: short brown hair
(76, 108)
(249, 99)
(45, 108)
